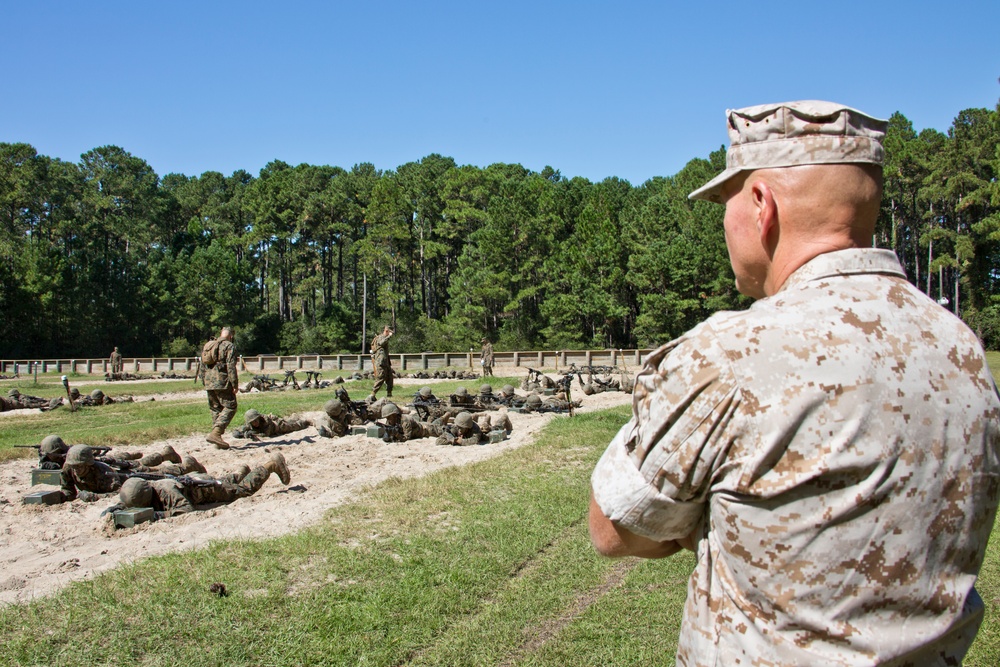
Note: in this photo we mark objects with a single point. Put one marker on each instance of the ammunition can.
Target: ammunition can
(133, 517)
(43, 498)
(39, 476)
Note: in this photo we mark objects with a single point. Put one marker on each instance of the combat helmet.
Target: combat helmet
(425, 392)
(486, 390)
(97, 393)
(588, 389)
(507, 390)
(74, 393)
(136, 492)
(250, 416)
(390, 409)
(334, 407)
(13, 393)
(462, 391)
(534, 401)
(79, 455)
(52, 444)
(464, 420)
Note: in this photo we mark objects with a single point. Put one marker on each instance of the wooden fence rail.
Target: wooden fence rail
(503, 361)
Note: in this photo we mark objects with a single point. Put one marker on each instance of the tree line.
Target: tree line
(105, 252)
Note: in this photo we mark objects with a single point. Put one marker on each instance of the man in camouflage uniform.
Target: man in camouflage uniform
(85, 477)
(427, 406)
(465, 431)
(830, 454)
(53, 451)
(171, 497)
(509, 397)
(257, 425)
(221, 383)
(116, 362)
(404, 427)
(97, 397)
(18, 401)
(486, 357)
(380, 362)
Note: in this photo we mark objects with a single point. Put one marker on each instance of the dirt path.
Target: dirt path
(44, 548)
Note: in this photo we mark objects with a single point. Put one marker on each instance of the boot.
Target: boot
(170, 454)
(276, 464)
(241, 472)
(191, 464)
(215, 437)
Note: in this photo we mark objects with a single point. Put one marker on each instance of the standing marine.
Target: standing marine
(221, 380)
(380, 362)
(486, 357)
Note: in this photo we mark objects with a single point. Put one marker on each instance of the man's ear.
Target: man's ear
(766, 218)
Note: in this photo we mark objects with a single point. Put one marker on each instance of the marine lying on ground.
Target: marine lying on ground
(15, 400)
(87, 472)
(97, 397)
(257, 425)
(446, 375)
(173, 496)
(119, 377)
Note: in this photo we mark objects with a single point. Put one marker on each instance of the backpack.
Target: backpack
(210, 353)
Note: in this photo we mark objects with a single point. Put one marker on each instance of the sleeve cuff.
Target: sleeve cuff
(626, 497)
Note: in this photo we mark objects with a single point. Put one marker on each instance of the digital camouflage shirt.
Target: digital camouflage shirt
(223, 375)
(833, 451)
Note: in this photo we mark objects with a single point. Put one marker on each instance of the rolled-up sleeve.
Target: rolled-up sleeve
(655, 476)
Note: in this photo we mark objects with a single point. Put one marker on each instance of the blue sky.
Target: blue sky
(594, 89)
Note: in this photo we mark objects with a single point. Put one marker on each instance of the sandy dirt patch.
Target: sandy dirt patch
(45, 548)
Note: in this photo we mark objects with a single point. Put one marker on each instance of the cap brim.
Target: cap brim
(712, 191)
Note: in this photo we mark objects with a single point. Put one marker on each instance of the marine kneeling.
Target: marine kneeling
(170, 497)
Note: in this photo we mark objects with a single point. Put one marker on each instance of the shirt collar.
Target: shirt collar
(848, 262)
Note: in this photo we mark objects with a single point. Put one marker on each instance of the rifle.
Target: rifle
(186, 480)
(390, 430)
(567, 383)
(69, 396)
(357, 408)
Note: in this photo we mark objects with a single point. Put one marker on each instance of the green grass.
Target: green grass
(469, 566)
(488, 564)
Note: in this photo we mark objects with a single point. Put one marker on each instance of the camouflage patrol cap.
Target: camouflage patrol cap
(464, 420)
(251, 416)
(334, 407)
(136, 492)
(80, 455)
(52, 444)
(425, 392)
(787, 134)
(389, 409)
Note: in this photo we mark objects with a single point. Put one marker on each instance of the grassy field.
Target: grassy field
(488, 564)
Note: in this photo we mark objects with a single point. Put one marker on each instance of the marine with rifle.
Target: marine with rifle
(173, 496)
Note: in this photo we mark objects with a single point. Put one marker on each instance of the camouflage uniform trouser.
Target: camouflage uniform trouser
(222, 403)
(228, 491)
(383, 376)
